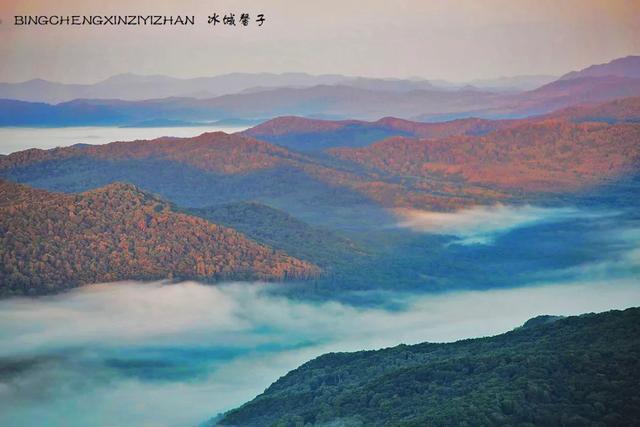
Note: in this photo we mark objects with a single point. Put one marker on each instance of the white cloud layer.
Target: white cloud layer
(78, 332)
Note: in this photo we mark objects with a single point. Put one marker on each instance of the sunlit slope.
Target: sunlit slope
(52, 241)
(479, 163)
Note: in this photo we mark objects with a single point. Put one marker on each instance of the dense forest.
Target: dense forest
(282, 231)
(212, 151)
(550, 155)
(51, 241)
(435, 166)
(575, 371)
(236, 160)
(622, 110)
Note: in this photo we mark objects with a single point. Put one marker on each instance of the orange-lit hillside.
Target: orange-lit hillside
(541, 156)
(53, 241)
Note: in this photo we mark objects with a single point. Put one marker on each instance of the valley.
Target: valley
(294, 249)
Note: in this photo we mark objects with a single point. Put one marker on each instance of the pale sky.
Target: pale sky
(454, 40)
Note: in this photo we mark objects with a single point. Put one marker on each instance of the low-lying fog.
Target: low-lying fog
(481, 224)
(19, 138)
(156, 354)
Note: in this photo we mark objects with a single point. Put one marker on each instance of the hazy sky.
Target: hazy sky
(454, 40)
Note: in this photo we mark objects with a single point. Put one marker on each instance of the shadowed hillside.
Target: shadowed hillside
(575, 371)
(282, 231)
(304, 134)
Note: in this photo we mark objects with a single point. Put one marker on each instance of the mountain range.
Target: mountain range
(324, 195)
(440, 166)
(306, 198)
(133, 87)
(329, 97)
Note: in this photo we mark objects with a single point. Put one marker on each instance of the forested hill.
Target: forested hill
(280, 230)
(50, 241)
(573, 371)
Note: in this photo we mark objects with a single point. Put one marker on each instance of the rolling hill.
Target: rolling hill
(580, 90)
(217, 168)
(623, 110)
(580, 370)
(52, 241)
(313, 135)
(282, 231)
(211, 151)
(435, 166)
(551, 155)
(309, 135)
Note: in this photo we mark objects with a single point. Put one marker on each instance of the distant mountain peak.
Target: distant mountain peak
(628, 66)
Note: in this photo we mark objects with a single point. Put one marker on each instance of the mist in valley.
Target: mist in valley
(177, 354)
(133, 353)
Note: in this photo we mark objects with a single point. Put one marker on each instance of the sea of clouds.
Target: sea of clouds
(160, 354)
